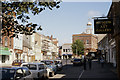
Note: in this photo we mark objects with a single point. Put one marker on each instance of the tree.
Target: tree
(78, 47)
(13, 11)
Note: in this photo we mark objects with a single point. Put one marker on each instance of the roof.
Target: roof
(67, 44)
(10, 67)
(84, 35)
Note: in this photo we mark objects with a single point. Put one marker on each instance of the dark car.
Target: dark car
(17, 62)
(15, 73)
(77, 62)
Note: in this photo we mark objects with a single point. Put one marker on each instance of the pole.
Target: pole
(76, 50)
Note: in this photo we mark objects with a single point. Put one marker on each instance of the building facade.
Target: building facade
(49, 47)
(114, 14)
(6, 50)
(89, 40)
(36, 42)
(67, 51)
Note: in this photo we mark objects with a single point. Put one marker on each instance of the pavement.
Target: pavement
(98, 73)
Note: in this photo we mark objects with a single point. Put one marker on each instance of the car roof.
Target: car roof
(33, 63)
(47, 60)
(10, 67)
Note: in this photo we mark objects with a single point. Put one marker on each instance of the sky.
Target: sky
(71, 18)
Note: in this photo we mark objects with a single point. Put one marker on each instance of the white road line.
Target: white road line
(80, 75)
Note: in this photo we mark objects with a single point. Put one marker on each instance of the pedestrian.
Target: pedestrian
(102, 62)
(90, 62)
(99, 60)
(84, 63)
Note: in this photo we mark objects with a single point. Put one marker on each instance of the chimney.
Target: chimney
(51, 38)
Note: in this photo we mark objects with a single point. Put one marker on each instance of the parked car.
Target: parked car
(15, 73)
(77, 61)
(17, 62)
(58, 64)
(38, 69)
(51, 67)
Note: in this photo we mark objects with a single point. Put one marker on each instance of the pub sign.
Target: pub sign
(103, 26)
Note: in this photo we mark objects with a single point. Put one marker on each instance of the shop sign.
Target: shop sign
(18, 51)
(103, 26)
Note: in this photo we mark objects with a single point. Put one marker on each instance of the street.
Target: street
(71, 72)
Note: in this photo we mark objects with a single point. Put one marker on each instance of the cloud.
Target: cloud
(93, 13)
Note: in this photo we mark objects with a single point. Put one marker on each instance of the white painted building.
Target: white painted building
(18, 47)
(36, 43)
(49, 49)
(67, 50)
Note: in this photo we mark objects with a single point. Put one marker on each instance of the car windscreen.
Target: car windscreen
(30, 66)
(77, 59)
(7, 73)
(48, 62)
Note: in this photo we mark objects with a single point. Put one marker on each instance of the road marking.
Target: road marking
(80, 75)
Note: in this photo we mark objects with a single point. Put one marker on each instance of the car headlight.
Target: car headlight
(49, 69)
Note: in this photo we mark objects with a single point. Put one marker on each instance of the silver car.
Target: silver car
(51, 67)
(38, 69)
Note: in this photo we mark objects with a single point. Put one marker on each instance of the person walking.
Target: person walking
(84, 63)
(90, 62)
(102, 62)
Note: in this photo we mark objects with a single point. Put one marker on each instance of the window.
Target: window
(87, 41)
(6, 43)
(19, 73)
(32, 67)
(66, 50)
(36, 42)
(41, 66)
(1, 39)
(63, 50)
(26, 71)
(10, 43)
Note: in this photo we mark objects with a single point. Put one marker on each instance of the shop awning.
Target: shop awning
(4, 51)
(69, 54)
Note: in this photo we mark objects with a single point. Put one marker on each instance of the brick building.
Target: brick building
(89, 40)
(114, 13)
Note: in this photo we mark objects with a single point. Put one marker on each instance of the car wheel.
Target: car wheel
(38, 75)
(52, 74)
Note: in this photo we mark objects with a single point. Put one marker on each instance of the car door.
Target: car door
(41, 69)
(19, 74)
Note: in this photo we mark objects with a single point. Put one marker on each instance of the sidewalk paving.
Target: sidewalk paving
(99, 73)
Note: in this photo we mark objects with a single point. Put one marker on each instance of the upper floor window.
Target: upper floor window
(63, 50)
(10, 42)
(66, 50)
(1, 39)
(87, 41)
(36, 42)
(6, 41)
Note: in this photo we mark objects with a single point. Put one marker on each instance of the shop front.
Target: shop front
(4, 55)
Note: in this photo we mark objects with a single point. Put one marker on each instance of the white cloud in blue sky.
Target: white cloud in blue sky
(92, 13)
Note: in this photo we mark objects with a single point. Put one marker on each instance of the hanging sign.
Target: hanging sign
(103, 26)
